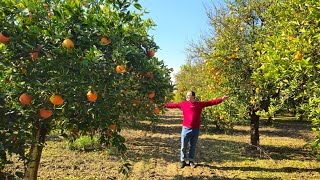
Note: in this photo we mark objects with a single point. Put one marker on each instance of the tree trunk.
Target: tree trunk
(254, 129)
(31, 171)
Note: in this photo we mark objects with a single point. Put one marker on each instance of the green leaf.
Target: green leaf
(138, 6)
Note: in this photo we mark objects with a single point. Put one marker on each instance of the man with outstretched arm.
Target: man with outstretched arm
(191, 123)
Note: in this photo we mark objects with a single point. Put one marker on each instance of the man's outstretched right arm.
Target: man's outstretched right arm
(172, 105)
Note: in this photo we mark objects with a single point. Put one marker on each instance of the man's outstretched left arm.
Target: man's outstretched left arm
(214, 101)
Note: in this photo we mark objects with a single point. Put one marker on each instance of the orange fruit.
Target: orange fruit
(105, 41)
(257, 90)
(149, 74)
(25, 99)
(67, 43)
(92, 96)
(151, 53)
(232, 56)
(24, 70)
(291, 38)
(137, 100)
(56, 99)
(121, 68)
(298, 56)
(151, 95)
(50, 14)
(4, 39)
(34, 55)
(156, 110)
(45, 113)
(112, 127)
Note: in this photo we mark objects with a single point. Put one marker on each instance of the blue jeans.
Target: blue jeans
(189, 135)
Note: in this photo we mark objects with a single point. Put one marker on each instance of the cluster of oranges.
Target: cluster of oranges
(92, 96)
(150, 95)
(55, 99)
(68, 43)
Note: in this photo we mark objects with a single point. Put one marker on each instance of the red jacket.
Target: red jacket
(192, 111)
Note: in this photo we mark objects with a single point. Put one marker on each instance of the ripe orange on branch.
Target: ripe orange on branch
(50, 14)
(149, 74)
(25, 98)
(56, 99)
(45, 113)
(4, 39)
(232, 56)
(151, 53)
(24, 70)
(156, 110)
(151, 94)
(257, 90)
(112, 127)
(298, 56)
(137, 100)
(68, 43)
(120, 68)
(105, 41)
(34, 55)
(92, 96)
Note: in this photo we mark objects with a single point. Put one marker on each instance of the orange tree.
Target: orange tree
(75, 66)
(290, 57)
(230, 59)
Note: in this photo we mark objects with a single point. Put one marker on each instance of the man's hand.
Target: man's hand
(225, 98)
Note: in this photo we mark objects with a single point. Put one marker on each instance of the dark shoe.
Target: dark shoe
(192, 164)
(183, 164)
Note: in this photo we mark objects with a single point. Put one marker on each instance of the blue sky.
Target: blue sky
(179, 22)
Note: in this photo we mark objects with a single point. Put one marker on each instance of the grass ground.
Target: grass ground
(155, 155)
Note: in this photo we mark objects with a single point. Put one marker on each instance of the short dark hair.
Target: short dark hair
(193, 93)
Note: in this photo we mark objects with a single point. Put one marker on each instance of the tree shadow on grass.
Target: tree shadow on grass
(285, 123)
(283, 169)
(280, 153)
(210, 150)
(288, 128)
(289, 132)
(280, 128)
(203, 177)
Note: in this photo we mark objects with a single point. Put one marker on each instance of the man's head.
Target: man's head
(191, 96)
